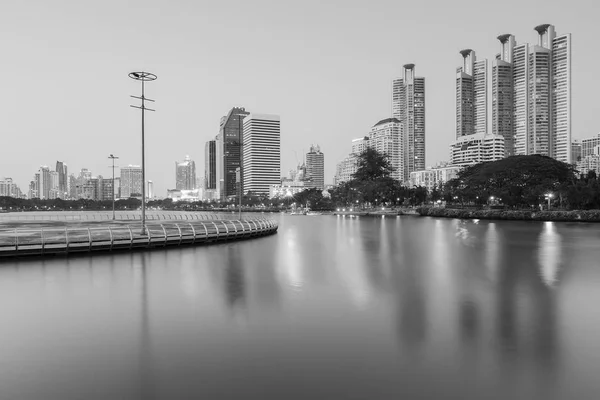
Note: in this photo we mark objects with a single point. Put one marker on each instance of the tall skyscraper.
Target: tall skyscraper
(386, 137)
(542, 95)
(63, 181)
(185, 174)
(315, 167)
(502, 93)
(228, 151)
(262, 153)
(210, 165)
(42, 182)
(471, 95)
(131, 181)
(408, 106)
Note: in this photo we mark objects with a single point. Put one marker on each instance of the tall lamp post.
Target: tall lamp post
(143, 77)
(113, 158)
(549, 197)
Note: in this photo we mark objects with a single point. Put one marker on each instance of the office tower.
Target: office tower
(315, 167)
(42, 182)
(261, 155)
(72, 186)
(561, 98)
(210, 166)
(542, 95)
(61, 169)
(150, 190)
(386, 137)
(471, 95)
(408, 106)
(502, 93)
(185, 174)
(131, 181)
(54, 192)
(228, 152)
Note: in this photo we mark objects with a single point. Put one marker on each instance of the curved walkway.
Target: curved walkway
(48, 238)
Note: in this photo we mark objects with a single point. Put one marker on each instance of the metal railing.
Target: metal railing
(54, 240)
(125, 216)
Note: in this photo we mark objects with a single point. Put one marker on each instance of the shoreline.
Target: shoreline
(512, 215)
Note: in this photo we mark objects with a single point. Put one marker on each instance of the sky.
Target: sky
(325, 67)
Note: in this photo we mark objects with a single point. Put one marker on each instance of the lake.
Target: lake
(330, 307)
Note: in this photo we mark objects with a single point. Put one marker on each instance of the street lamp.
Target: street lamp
(113, 158)
(549, 197)
(143, 77)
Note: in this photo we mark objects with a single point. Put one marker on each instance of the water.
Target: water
(329, 308)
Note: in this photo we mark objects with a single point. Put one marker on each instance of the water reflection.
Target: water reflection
(235, 288)
(370, 307)
(550, 252)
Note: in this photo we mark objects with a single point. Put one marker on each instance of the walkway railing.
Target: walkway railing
(125, 216)
(55, 240)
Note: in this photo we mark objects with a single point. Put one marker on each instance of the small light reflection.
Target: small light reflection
(549, 256)
(492, 252)
(291, 267)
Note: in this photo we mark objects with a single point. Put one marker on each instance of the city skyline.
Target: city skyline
(352, 79)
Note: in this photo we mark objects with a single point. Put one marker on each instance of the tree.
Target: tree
(372, 165)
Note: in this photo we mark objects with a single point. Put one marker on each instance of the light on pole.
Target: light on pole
(549, 197)
(113, 158)
(143, 77)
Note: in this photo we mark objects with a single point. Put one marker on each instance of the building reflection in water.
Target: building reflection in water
(549, 255)
(235, 288)
(352, 261)
(290, 260)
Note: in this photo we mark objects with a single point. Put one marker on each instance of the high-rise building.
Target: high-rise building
(9, 189)
(386, 137)
(408, 106)
(42, 183)
(542, 95)
(228, 152)
(185, 174)
(63, 181)
(471, 95)
(54, 192)
(131, 181)
(502, 93)
(315, 167)
(262, 153)
(210, 162)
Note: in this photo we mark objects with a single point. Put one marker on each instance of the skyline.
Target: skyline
(329, 77)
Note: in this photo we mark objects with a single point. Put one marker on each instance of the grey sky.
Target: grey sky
(325, 66)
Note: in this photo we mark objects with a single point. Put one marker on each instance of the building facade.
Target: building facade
(228, 152)
(408, 106)
(185, 174)
(471, 95)
(315, 167)
(542, 95)
(386, 137)
(502, 93)
(588, 145)
(63, 180)
(131, 181)
(474, 149)
(9, 189)
(431, 178)
(210, 165)
(262, 153)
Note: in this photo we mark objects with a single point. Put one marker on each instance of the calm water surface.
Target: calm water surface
(329, 308)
